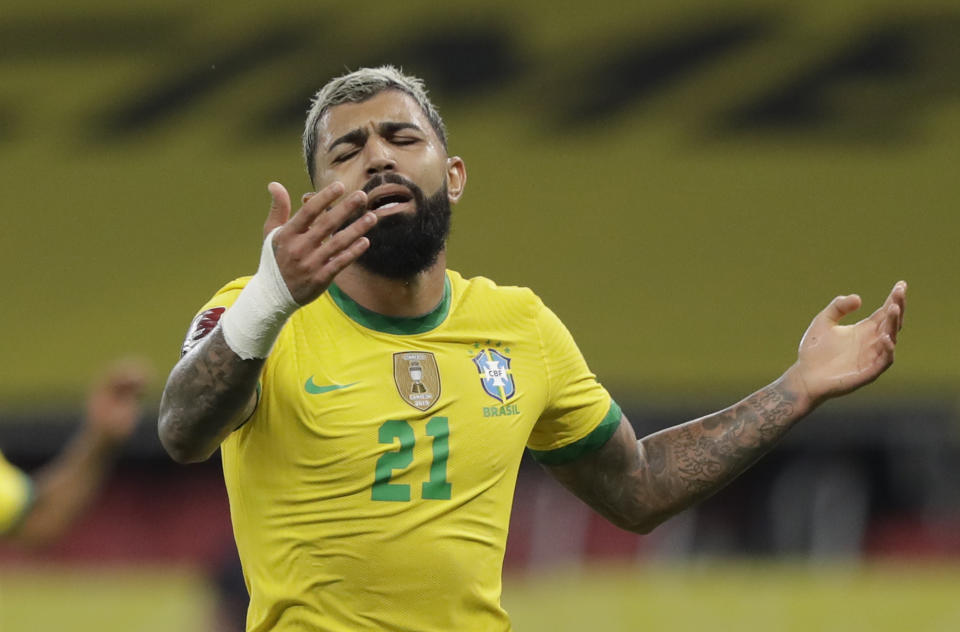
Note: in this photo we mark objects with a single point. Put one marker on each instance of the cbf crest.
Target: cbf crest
(417, 378)
(495, 375)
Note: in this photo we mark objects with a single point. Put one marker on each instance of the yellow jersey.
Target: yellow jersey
(16, 494)
(371, 488)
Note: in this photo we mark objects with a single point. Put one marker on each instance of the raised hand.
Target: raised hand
(114, 403)
(835, 359)
(308, 249)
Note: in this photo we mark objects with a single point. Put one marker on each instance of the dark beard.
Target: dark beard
(403, 245)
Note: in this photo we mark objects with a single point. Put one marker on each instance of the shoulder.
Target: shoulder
(226, 295)
(207, 317)
(233, 286)
(480, 289)
(479, 300)
(483, 299)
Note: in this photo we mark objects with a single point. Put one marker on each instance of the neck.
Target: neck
(406, 298)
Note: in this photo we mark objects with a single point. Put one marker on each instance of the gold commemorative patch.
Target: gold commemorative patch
(417, 378)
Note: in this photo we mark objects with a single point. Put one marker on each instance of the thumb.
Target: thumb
(840, 307)
(279, 207)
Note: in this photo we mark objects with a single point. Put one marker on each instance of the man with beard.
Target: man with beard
(372, 406)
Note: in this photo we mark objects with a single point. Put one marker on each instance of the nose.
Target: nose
(379, 158)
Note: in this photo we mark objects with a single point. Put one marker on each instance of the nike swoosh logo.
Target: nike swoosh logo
(316, 389)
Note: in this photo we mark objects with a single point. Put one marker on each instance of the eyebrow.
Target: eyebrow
(359, 136)
(354, 137)
(390, 128)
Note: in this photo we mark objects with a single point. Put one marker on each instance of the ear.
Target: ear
(306, 196)
(456, 178)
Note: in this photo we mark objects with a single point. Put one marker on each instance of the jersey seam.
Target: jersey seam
(543, 354)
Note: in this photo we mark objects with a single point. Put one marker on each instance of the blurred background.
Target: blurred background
(685, 184)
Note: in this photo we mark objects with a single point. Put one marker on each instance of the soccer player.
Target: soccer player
(37, 510)
(372, 407)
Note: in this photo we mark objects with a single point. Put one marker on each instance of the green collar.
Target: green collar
(392, 324)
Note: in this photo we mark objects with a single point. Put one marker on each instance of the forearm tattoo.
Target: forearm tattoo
(208, 389)
(700, 456)
(638, 484)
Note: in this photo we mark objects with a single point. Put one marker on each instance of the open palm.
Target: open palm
(834, 359)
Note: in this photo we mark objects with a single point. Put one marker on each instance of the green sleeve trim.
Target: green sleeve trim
(593, 441)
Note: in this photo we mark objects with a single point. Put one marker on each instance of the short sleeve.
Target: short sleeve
(579, 415)
(16, 495)
(209, 315)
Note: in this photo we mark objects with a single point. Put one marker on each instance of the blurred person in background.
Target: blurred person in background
(38, 509)
(372, 406)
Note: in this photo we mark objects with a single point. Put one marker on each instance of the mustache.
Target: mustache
(393, 178)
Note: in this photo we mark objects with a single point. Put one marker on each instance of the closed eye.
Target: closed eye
(346, 156)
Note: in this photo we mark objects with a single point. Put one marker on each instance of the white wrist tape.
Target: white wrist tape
(251, 325)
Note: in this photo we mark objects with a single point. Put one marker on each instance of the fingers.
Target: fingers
(343, 248)
(279, 211)
(885, 346)
(840, 307)
(899, 297)
(890, 326)
(323, 238)
(895, 300)
(336, 216)
(345, 237)
(891, 320)
(345, 257)
(313, 207)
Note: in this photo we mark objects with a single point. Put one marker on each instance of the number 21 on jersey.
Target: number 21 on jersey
(436, 487)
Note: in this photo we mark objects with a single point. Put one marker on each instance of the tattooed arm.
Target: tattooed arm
(639, 484)
(209, 393)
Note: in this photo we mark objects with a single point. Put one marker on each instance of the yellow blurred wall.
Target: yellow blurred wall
(685, 251)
